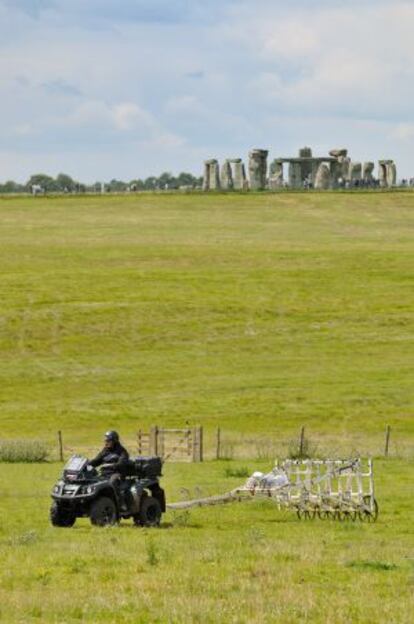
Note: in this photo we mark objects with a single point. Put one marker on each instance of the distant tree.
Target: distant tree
(65, 183)
(47, 183)
(167, 181)
(11, 187)
(136, 185)
(187, 179)
(117, 186)
(151, 183)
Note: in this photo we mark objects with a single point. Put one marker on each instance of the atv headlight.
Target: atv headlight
(90, 489)
(56, 489)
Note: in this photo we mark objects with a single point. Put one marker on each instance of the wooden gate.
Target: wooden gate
(180, 445)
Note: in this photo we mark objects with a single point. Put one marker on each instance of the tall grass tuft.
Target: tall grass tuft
(23, 451)
(302, 450)
(237, 472)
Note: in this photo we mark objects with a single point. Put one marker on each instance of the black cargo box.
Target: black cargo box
(147, 466)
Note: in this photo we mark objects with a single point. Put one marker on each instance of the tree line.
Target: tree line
(64, 183)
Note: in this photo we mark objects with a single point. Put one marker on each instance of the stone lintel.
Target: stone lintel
(312, 159)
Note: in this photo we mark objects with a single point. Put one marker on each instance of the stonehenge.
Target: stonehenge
(276, 176)
(239, 176)
(258, 169)
(226, 176)
(355, 172)
(307, 167)
(323, 177)
(211, 178)
(368, 172)
(387, 173)
(305, 171)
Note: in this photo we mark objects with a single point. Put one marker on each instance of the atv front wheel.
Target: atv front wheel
(60, 517)
(103, 512)
(149, 513)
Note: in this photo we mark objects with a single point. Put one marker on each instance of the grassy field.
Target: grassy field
(241, 563)
(257, 312)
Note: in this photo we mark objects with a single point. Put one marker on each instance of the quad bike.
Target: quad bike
(84, 491)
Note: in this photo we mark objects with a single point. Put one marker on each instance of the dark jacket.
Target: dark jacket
(117, 455)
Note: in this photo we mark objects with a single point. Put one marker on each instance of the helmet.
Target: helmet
(111, 436)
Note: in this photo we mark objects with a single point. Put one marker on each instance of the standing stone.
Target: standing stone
(314, 170)
(295, 175)
(211, 175)
(323, 177)
(391, 175)
(306, 152)
(276, 177)
(206, 176)
(258, 169)
(336, 171)
(382, 173)
(239, 177)
(345, 163)
(387, 173)
(367, 172)
(355, 173)
(226, 177)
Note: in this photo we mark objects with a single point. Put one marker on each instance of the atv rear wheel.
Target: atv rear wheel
(60, 517)
(149, 514)
(103, 512)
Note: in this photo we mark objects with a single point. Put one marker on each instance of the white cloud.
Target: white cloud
(123, 116)
(334, 56)
(403, 132)
(187, 104)
(170, 87)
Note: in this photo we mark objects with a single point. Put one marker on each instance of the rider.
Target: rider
(112, 453)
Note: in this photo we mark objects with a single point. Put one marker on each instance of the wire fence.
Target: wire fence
(221, 444)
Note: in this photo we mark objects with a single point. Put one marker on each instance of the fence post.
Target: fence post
(189, 449)
(139, 440)
(218, 443)
(161, 442)
(153, 441)
(302, 441)
(200, 444)
(387, 440)
(60, 441)
(195, 444)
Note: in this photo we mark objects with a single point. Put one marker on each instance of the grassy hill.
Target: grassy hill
(258, 312)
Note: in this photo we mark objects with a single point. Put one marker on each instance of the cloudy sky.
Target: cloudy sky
(129, 88)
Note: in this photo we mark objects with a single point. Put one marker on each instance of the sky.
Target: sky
(103, 89)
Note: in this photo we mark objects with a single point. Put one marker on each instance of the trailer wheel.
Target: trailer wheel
(324, 514)
(366, 515)
(306, 514)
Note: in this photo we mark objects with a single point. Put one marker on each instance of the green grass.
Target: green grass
(244, 563)
(255, 312)
(259, 313)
